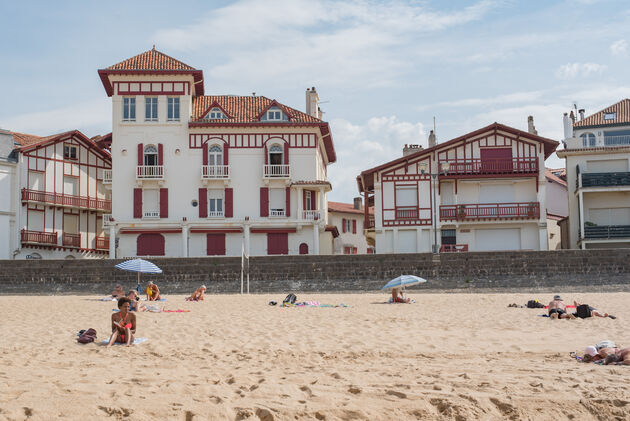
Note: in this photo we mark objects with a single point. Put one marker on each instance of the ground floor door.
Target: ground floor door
(277, 243)
(150, 245)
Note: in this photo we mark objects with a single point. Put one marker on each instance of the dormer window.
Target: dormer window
(274, 114)
(610, 116)
(215, 114)
(69, 152)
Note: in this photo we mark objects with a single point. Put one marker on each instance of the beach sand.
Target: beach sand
(447, 357)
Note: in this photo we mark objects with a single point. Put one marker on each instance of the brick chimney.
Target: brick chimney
(530, 125)
(432, 139)
(409, 149)
(358, 203)
(312, 103)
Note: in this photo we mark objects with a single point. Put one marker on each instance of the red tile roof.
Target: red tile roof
(151, 60)
(243, 109)
(551, 176)
(346, 208)
(29, 141)
(25, 139)
(622, 108)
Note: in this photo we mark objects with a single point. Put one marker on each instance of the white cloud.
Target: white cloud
(360, 147)
(516, 97)
(571, 70)
(619, 47)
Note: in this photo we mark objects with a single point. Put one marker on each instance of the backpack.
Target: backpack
(290, 299)
(87, 336)
(534, 304)
(583, 311)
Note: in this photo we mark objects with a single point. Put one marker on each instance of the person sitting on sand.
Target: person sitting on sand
(135, 304)
(123, 324)
(558, 309)
(198, 295)
(620, 357)
(399, 297)
(588, 311)
(118, 292)
(153, 292)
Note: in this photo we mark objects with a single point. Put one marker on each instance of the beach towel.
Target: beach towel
(314, 304)
(390, 301)
(571, 306)
(136, 341)
(176, 311)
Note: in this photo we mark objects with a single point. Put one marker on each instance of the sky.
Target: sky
(383, 69)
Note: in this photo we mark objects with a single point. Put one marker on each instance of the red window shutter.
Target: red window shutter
(354, 226)
(150, 245)
(163, 203)
(205, 153)
(286, 154)
(313, 201)
(203, 203)
(266, 155)
(304, 199)
(140, 154)
(215, 245)
(264, 201)
(229, 199)
(226, 150)
(354, 250)
(343, 225)
(288, 207)
(137, 203)
(160, 154)
(277, 243)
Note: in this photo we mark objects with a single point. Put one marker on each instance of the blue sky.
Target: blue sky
(382, 69)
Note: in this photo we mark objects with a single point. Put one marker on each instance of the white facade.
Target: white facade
(349, 223)
(597, 154)
(217, 178)
(8, 191)
(489, 194)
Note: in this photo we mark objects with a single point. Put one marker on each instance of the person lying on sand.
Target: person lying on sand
(118, 292)
(599, 351)
(135, 304)
(588, 311)
(198, 295)
(123, 324)
(558, 309)
(399, 297)
(620, 357)
(153, 292)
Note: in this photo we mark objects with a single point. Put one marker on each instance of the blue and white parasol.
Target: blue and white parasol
(140, 266)
(403, 281)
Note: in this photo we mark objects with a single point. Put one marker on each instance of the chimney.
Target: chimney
(568, 128)
(432, 139)
(312, 103)
(358, 203)
(409, 149)
(581, 111)
(572, 117)
(530, 125)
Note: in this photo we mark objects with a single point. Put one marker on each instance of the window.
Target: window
(150, 155)
(277, 202)
(308, 200)
(151, 109)
(370, 250)
(215, 114)
(449, 237)
(215, 203)
(69, 152)
(275, 155)
(173, 109)
(273, 114)
(70, 185)
(215, 155)
(588, 139)
(151, 203)
(129, 109)
(348, 227)
(610, 116)
(347, 250)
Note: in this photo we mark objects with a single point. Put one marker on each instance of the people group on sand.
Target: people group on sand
(198, 295)
(153, 292)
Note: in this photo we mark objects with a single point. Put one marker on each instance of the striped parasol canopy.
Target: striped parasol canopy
(140, 266)
(403, 281)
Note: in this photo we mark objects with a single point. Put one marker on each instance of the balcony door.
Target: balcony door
(36, 180)
(277, 202)
(70, 186)
(150, 156)
(276, 155)
(151, 203)
(70, 223)
(215, 156)
(496, 160)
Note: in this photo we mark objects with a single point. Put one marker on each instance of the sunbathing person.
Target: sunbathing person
(399, 297)
(599, 351)
(584, 311)
(153, 292)
(198, 295)
(118, 292)
(558, 309)
(135, 304)
(620, 357)
(123, 324)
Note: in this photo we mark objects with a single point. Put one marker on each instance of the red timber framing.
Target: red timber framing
(65, 200)
(152, 88)
(253, 140)
(408, 174)
(490, 211)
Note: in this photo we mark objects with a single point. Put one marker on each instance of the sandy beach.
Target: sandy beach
(446, 357)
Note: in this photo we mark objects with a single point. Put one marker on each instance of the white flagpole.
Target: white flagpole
(242, 261)
(248, 274)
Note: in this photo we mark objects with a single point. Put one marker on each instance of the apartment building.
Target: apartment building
(482, 191)
(348, 219)
(8, 192)
(597, 156)
(212, 175)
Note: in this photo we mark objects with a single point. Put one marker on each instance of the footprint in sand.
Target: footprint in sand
(307, 390)
(506, 409)
(400, 395)
(355, 390)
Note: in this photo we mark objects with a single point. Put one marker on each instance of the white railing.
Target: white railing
(310, 215)
(151, 214)
(276, 171)
(107, 220)
(276, 212)
(215, 214)
(617, 140)
(150, 171)
(215, 171)
(107, 176)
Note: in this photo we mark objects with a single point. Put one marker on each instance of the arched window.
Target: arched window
(275, 155)
(150, 155)
(215, 155)
(588, 139)
(303, 248)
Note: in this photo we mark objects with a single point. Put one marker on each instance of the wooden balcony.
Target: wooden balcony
(369, 223)
(476, 167)
(102, 243)
(215, 172)
(71, 240)
(605, 179)
(65, 200)
(276, 171)
(407, 212)
(453, 248)
(606, 232)
(39, 237)
(490, 211)
(150, 172)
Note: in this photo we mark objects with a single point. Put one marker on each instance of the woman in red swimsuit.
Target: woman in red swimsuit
(123, 324)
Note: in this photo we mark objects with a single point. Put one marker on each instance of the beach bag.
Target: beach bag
(87, 336)
(290, 299)
(534, 304)
(583, 311)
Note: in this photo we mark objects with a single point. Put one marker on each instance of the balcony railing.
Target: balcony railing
(602, 232)
(276, 212)
(453, 248)
(209, 172)
(71, 240)
(155, 172)
(486, 211)
(477, 166)
(407, 212)
(368, 223)
(623, 140)
(102, 243)
(66, 200)
(107, 220)
(215, 214)
(107, 176)
(310, 215)
(151, 214)
(610, 179)
(270, 171)
(39, 237)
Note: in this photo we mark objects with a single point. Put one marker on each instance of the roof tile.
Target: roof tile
(151, 60)
(243, 109)
(622, 108)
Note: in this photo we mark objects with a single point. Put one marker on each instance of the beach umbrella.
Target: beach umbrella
(403, 281)
(140, 266)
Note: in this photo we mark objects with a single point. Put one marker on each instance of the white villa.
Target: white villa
(597, 154)
(482, 191)
(347, 218)
(198, 175)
